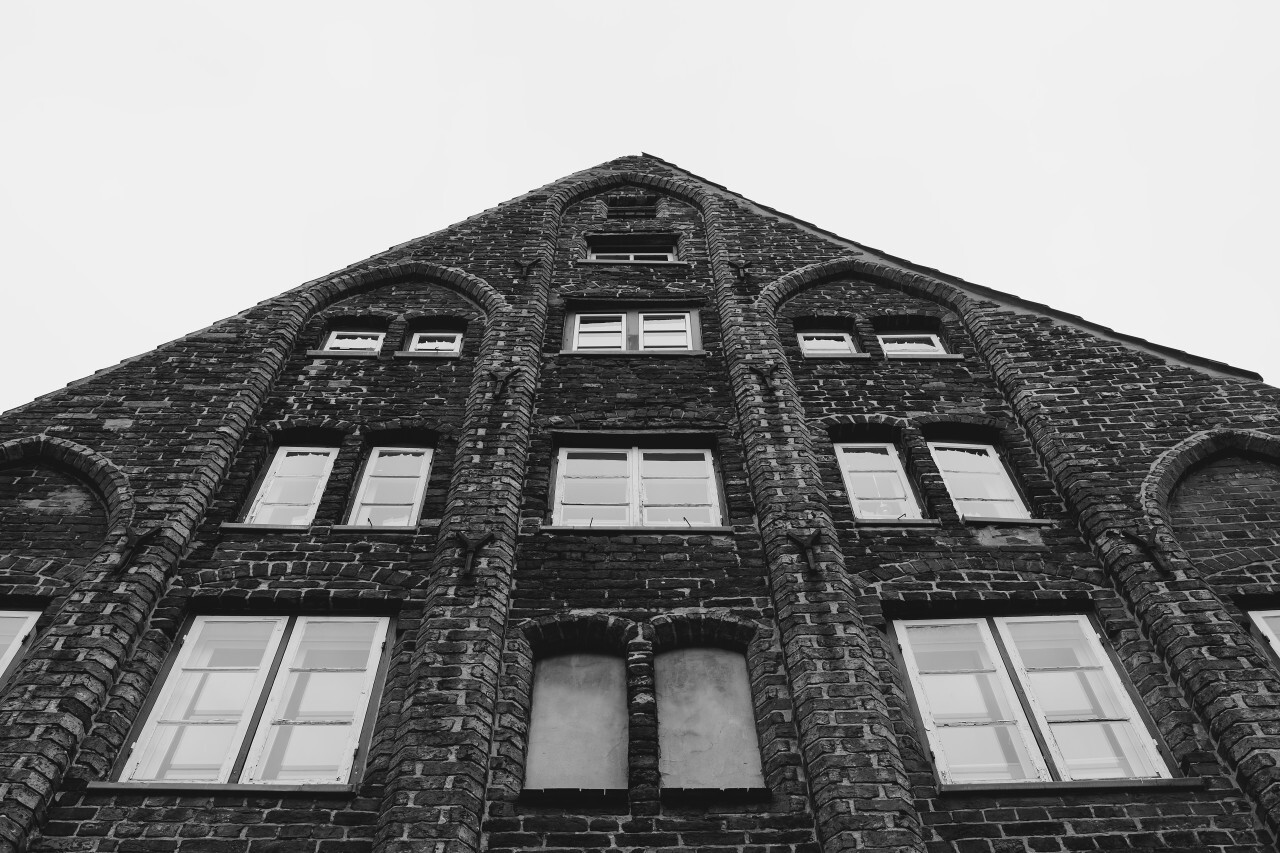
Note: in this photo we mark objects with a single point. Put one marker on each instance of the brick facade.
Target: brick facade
(1150, 475)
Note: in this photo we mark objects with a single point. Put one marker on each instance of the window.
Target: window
(826, 343)
(636, 487)
(291, 490)
(632, 248)
(1268, 622)
(634, 331)
(578, 725)
(391, 490)
(876, 482)
(706, 722)
(16, 630)
(262, 699)
(1024, 699)
(910, 343)
(977, 480)
(441, 342)
(354, 341)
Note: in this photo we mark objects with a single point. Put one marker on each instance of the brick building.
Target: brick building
(631, 514)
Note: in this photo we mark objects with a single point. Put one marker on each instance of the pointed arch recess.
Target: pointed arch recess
(686, 192)
(778, 291)
(110, 483)
(471, 287)
(1172, 465)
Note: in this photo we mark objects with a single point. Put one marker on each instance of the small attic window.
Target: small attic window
(632, 248)
(631, 206)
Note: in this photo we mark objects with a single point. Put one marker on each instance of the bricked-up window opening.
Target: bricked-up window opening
(635, 487)
(354, 341)
(392, 487)
(262, 700)
(706, 720)
(977, 480)
(17, 627)
(632, 248)
(290, 491)
(441, 342)
(827, 343)
(1024, 699)
(634, 331)
(876, 481)
(911, 343)
(578, 725)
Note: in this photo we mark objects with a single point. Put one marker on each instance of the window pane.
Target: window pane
(665, 322)
(1052, 643)
(399, 463)
(817, 342)
(580, 463)
(679, 516)
(948, 648)
(291, 490)
(322, 696)
(595, 491)
(971, 697)
(336, 644)
(598, 516)
(866, 458)
(676, 491)
(435, 342)
(177, 753)
(305, 754)
(390, 490)
(673, 464)
(355, 341)
(226, 643)
(985, 754)
(877, 485)
(1102, 750)
(578, 725)
(1075, 695)
(666, 340)
(980, 486)
(600, 322)
(597, 341)
(1272, 621)
(910, 343)
(884, 509)
(706, 722)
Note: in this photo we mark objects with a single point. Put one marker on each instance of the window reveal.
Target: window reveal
(290, 492)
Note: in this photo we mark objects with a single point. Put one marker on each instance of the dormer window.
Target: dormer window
(632, 248)
(350, 340)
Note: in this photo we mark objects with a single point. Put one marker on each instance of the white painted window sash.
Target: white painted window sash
(366, 481)
(277, 462)
(995, 468)
(806, 340)
(360, 717)
(1001, 674)
(706, 474)
(1105, 667)
(577, 331)
(419, 343)
(687, 329)
(21, 638)
(190, 645)
(893, 465)
(890, 349)
(1262, 618)
(334, 340)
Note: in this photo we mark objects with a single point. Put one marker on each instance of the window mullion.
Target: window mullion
(249, 733)
(1039, 724)
(633, 474)
(631, 330)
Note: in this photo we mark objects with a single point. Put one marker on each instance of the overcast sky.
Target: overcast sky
(167, 164)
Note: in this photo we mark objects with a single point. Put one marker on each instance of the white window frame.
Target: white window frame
(1015, 496)
(420, 488)
(21, 640)
(1269, 634)
(334, 335)
(632, 320)
(641, 251)
(635, 498)
(250, 736)
(259, 499)
(1030, 720)
(803, 337)
(893, 466)
(455, 347)
(934, 341)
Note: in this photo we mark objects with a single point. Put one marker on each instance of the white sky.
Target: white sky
(167, 164)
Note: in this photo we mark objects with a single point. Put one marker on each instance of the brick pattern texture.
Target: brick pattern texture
(1154, 479)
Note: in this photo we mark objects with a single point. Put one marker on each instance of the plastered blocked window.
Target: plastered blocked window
(578, 726)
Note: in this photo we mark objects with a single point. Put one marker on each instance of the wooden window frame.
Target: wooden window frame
(848, 340)
(455, 350)
(939, 348)
(366, 474)
(10, 655)
(369, 333)
(271, 472)
(915, 511)
(992, 452)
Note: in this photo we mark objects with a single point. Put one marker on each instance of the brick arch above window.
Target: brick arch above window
(110, 484)
(775, 294)
(587, 633)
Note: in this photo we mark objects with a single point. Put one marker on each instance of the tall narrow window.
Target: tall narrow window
(665, 331)
(578, 727)
(391, 490)
(877, 484)
(354, 341)
(636, 487)
(599, 331)
(1024, 699)
(978, 482)
(262, 699)
(706, 721)
(16, 627)
(290, 492)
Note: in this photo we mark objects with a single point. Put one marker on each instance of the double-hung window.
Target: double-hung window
(977, 480)
(1024, 699)
(636, 487)
(877, 484)
(16, 630)
(290, 492)
(445, 343)
(910, 343)
(633, 331)
(391, 490)
(826, 343)
(341, 340)
(262, 700)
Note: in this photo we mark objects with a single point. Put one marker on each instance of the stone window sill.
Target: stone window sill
(665, 531)
(897, 522)
(213, 788)
(629, 353)
(341, 353)
(1008, 522)
(574, 796)
(594, 262)
(925, 356)
(410, 354)
(319, 529)
(1041, 788)
(844, 356)
(675, 796)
